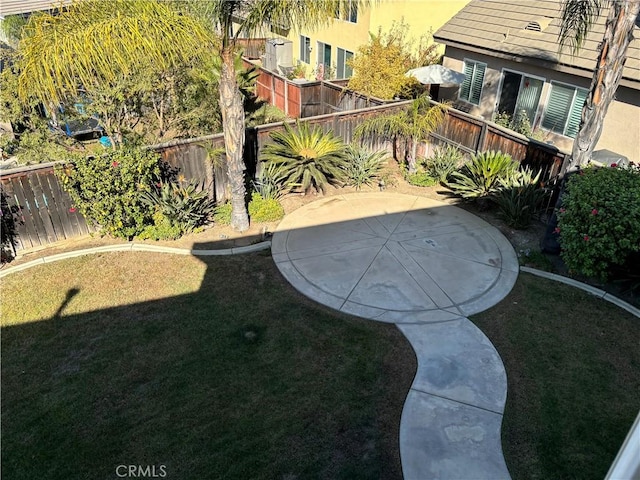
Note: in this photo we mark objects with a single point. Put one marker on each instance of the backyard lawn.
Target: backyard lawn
(573, 371)
(217, 368)
(210, 368)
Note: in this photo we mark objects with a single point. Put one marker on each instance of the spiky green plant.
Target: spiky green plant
(183, 206)
(519, 198)
(363, 167)
(481, 178)
(444, 161)
(270, 182)
(310, 158)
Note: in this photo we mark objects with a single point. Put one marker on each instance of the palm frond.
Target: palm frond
(578, 17)
(94, 39)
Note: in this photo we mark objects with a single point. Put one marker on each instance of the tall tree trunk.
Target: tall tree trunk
(233, 127)
(606, 77)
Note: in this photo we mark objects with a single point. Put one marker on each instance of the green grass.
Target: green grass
(213, 368)
(573, 369)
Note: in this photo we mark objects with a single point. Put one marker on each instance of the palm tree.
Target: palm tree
(101, 44)
(578, 16)
(250, 16)
(412, 125)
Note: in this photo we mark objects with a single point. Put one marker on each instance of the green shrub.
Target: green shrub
(519, 198)
(264, 209)
(183, 206)
(108, 189)
(444, 161)
(421, 179)
(162, 229)
(222, 214)
(363, 167)
(310, 158)
(481, 177)
(599, 224)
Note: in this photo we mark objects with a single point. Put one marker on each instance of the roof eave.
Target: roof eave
(558, 67)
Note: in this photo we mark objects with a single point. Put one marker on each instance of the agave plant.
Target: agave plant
(519, 197)
(270, 181)
(182, 206)
(310, 159)
(481, 178)
(444, 161)
(362, 166)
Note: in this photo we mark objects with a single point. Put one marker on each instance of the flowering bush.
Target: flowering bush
(599, 224)
(107, 189)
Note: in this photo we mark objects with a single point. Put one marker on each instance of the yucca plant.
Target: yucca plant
(480, 178)
(270, 181)
(444, 161)
(362, 166)
(182, 206)
(309, 158)
(519, 198)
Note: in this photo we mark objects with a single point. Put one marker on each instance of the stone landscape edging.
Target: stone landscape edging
(136, 247)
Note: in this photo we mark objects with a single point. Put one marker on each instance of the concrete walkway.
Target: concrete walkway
(424, 266)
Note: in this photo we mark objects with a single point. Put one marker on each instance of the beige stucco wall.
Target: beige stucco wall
(621, 130)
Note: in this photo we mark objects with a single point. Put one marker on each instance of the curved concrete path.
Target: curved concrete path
(424, 266)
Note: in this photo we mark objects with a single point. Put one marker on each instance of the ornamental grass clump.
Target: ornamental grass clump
(599, 222)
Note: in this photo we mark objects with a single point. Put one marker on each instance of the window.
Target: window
(519, 93)
(471, 88)
(305, 49)
(344, 70)
(324, 55)
(350, 11)
(564, 109)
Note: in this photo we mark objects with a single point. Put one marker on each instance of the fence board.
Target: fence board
(30, 231)
(61, 204)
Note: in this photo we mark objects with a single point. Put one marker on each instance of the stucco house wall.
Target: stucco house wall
(621, 130)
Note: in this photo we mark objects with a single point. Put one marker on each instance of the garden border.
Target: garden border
(583, 286)
(136, 247)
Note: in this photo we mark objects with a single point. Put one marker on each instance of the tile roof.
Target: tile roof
(498, 28)
(13, 7)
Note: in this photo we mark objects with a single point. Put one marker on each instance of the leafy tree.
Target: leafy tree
(380, 65)
(578, 17)
(97, 51)
(251, 15)
(412, 125)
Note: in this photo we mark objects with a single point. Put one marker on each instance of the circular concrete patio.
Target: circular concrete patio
(395, 258)
(424, 266)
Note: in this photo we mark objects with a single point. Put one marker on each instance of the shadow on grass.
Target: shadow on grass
(242, 379)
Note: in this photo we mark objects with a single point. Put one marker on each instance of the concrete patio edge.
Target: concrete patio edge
(136, 247)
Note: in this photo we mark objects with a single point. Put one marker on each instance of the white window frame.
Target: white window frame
(347, 6)
(305, 51)
(344, 63)
(546, 104)
(468, 100)
(538, 115)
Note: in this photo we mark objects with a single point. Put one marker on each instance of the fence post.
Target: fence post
(482, 138)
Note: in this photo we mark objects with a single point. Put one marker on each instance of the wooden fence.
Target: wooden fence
(304, 99)
(43, 212)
